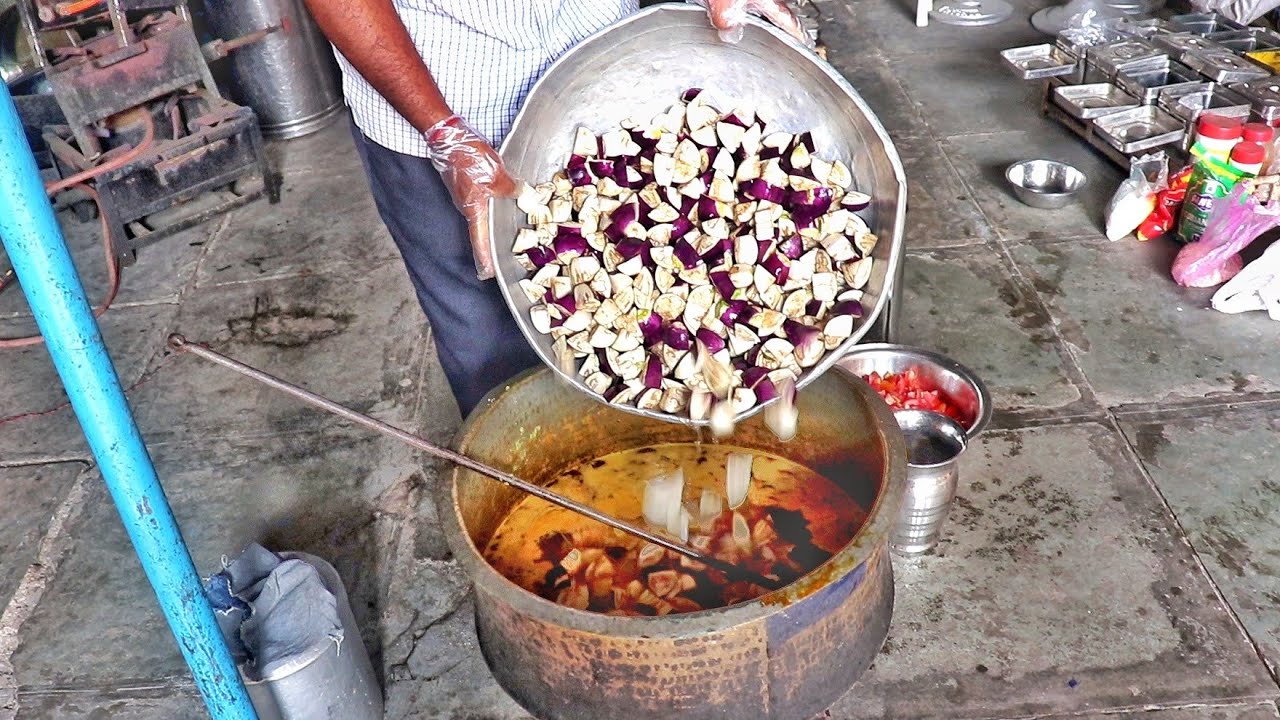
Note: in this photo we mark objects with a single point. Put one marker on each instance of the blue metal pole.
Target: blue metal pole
(39, 254)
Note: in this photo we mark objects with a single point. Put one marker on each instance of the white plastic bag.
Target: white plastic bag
(1136, 197)
(1257, 287)
(1086, 13)
(1241, 11)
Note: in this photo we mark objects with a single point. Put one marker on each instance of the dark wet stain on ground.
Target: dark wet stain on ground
(1073, 332)
(1239, 383)
(1015, 445)
(933, 609)
(1028, 512)
(286, 327)
(964, 513)
(1024, 313)
(1227, 549)
(1148, 440)
(1044, 287)
(1056, 264)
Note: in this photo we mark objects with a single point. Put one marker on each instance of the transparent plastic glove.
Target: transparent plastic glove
(730, 16)
(473, 172)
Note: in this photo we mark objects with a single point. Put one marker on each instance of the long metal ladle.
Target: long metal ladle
(180, 344)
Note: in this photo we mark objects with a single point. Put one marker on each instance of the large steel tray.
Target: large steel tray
(1140, 129)
(1224, 66)
(1263, 96)
(1188, 102)
(1247, 40)
(639, 67)
(1093, 100)
(1204, 23)
(1036, 62)
(1147, 83)
(1179, 45)
(1108, 60)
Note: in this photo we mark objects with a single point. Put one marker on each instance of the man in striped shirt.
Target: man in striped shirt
(433, 87)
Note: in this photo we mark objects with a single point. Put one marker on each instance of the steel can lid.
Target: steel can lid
(1218, 127)
(1248, 153)
(1258, 133)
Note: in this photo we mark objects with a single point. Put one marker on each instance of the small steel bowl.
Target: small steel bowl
(957, 382)
(1046, 184)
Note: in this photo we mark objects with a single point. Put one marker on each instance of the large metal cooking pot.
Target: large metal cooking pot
(789, 654)
(638, 68)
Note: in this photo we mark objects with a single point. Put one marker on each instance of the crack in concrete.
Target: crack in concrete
(1182, 535)
(1229, 704)
(53, 547)
(399, 671)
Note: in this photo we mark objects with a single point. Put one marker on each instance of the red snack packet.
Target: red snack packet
(1168, 206)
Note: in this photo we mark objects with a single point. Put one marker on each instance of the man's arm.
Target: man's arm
(371, 36)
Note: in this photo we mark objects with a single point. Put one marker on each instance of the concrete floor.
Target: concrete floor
(1113, 550)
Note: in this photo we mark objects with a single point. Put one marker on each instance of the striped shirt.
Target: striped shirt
(485, 56)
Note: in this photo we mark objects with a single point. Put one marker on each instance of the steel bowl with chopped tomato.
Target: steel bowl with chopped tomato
(917, 379)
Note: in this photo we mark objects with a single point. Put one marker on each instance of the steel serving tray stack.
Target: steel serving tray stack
(1130, 87)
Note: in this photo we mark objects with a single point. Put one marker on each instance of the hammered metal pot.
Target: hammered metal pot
(789, 654)
(640, 67)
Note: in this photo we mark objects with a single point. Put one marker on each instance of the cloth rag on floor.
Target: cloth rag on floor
(1256, 287)
(272, 610)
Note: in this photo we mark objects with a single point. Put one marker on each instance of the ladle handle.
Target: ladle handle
(180, 344)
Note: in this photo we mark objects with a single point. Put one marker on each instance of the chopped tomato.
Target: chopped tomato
(908, 391)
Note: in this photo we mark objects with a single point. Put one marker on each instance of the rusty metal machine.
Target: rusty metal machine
(122, 108)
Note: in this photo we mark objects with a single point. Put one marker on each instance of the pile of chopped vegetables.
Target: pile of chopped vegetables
(621, 575)
(695, 265)
(909, 391)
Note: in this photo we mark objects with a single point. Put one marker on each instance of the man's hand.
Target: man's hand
(473, 172)
(729, 17)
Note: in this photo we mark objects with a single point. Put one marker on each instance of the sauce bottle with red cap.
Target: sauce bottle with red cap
(1264, 135)
(1212, 180)
(1216, 135)
(1249, 158)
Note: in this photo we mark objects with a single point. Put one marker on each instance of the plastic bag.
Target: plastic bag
(1193, 254)
(1257, 287)
(1241, 11)
(1087, 13)
(1135, 199)
(1237, 220)
(1168, 206)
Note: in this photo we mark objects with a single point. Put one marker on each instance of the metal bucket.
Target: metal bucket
(289, 78)
(336, 683)
(789, 654)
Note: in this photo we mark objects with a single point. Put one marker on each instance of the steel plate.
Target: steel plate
(639, 67)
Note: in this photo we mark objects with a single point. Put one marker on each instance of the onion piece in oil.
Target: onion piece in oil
(737, 478)
(662, 499)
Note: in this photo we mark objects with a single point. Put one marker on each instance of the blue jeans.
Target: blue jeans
(476, 337)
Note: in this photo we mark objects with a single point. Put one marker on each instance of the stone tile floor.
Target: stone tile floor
(1112, 553)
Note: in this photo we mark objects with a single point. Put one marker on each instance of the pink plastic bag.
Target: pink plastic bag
(1237, 220)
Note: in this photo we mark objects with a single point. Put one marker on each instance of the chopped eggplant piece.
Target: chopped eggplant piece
(584, 143)
(696, 223)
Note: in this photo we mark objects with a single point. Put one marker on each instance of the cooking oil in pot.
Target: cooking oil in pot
(792, 520)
